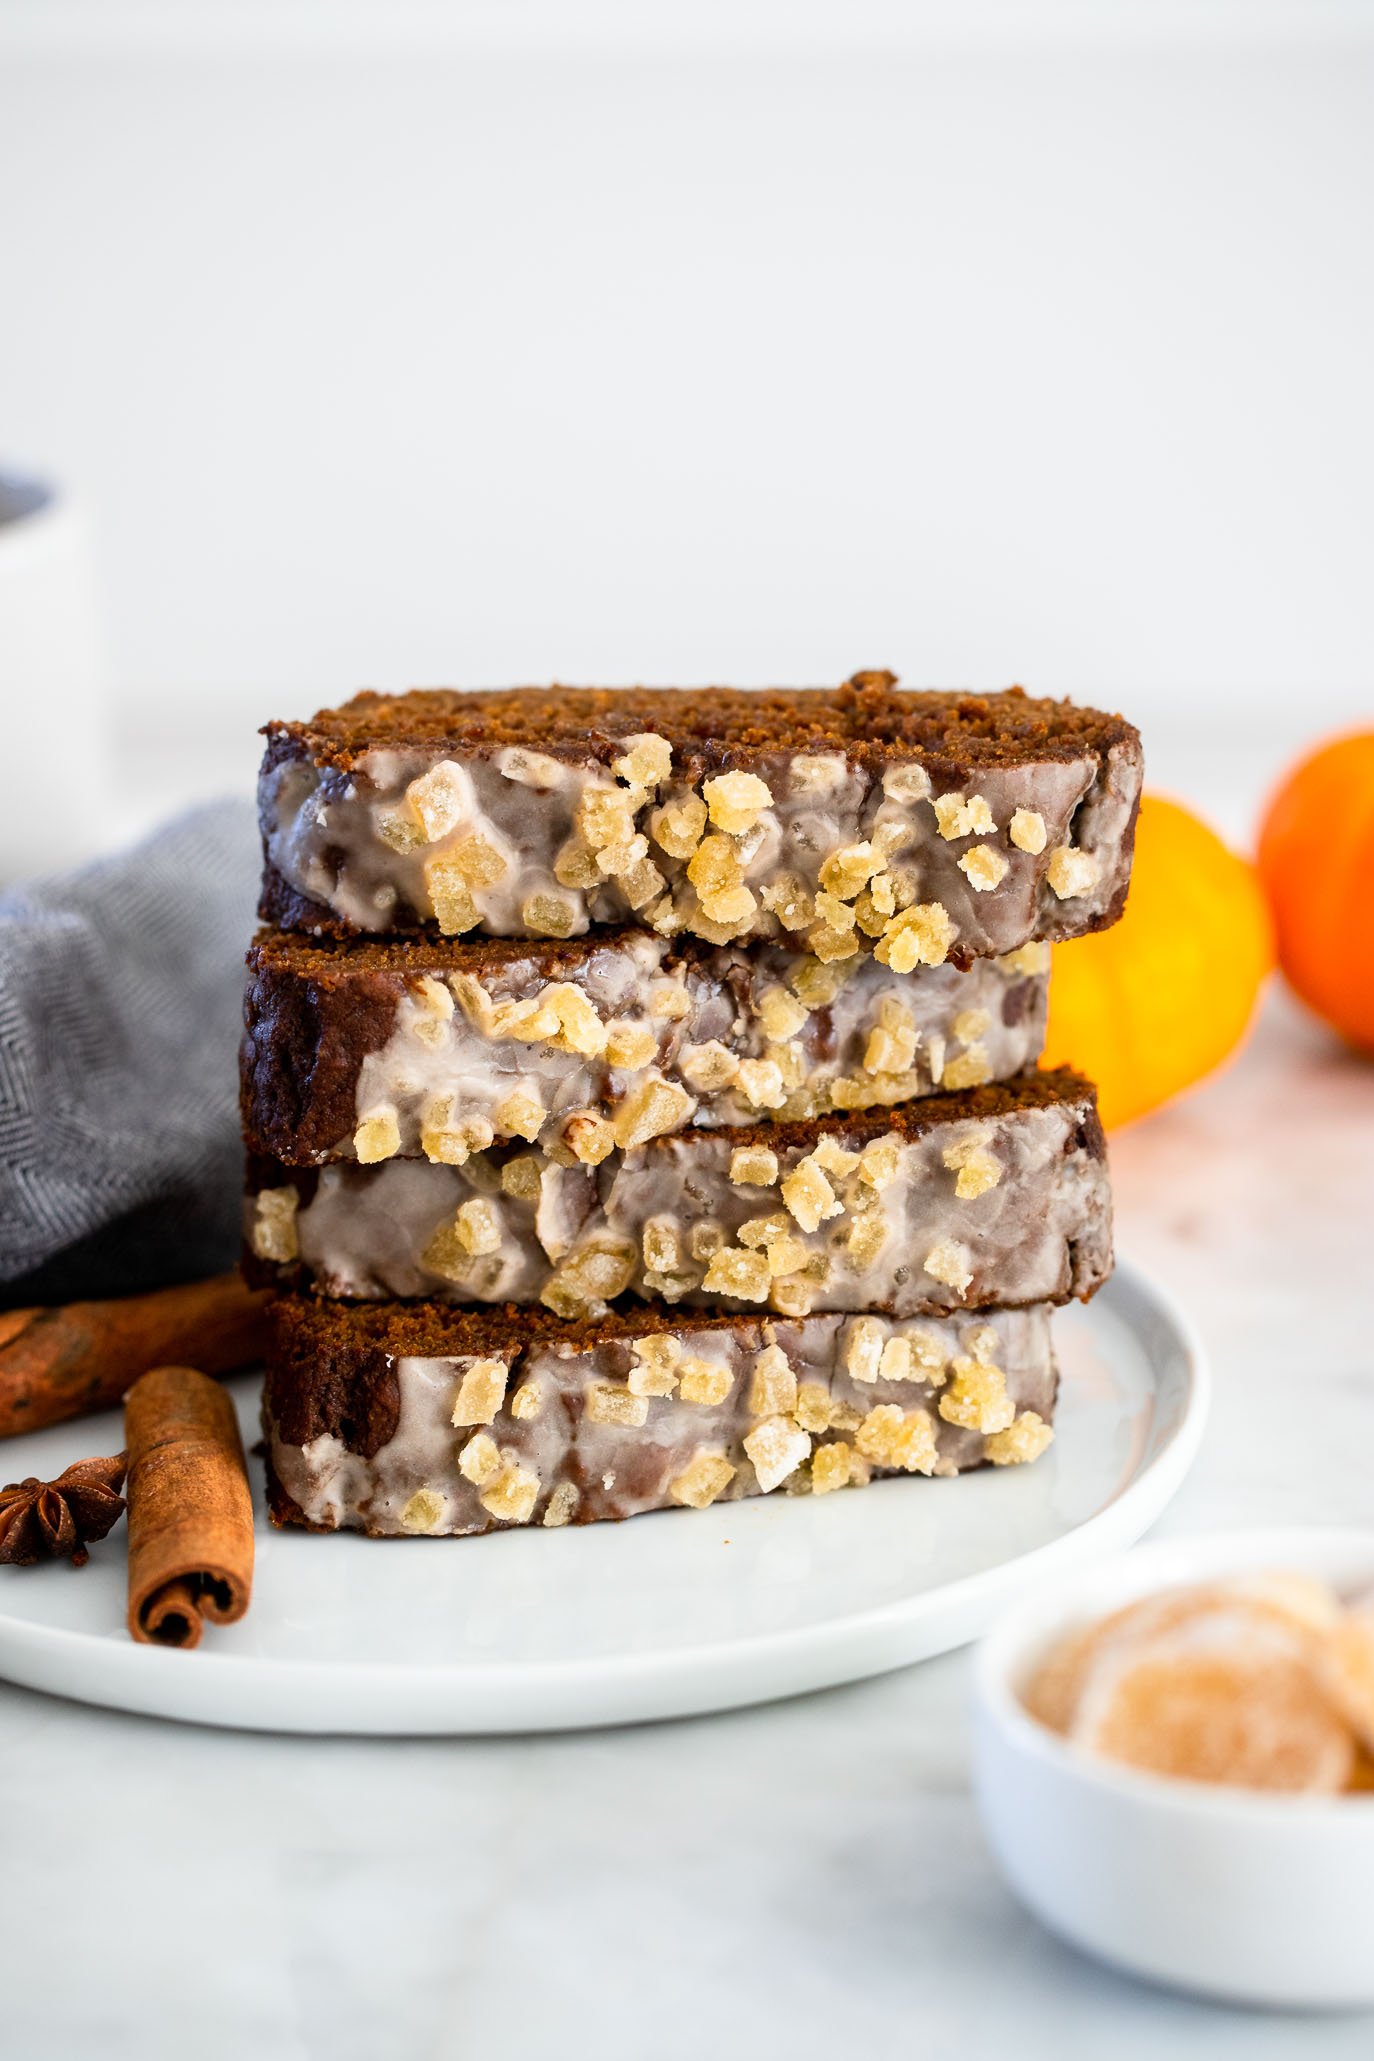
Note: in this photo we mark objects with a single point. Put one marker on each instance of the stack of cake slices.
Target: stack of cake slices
(641, 1098)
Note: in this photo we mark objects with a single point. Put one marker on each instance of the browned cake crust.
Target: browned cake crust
(342, 1033)
(869, 718)
(530, 786)
(417, 1419)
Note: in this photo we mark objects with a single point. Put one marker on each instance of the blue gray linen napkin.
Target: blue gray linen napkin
(121, 1000)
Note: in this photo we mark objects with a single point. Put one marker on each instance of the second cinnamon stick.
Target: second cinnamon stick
(190, 1510)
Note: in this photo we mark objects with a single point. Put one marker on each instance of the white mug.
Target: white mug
(55, 809)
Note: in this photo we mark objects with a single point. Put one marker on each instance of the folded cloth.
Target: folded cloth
(120, 1013)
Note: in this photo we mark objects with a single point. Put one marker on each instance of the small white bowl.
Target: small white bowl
(1259, 1899)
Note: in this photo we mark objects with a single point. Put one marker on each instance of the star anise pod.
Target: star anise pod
(52, 1520)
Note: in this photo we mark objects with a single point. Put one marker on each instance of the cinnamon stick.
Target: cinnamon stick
(190, 1511)
(61, 1363)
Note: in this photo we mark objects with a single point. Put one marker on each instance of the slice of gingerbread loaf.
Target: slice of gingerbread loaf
(439, 1048)
(996, 1195)
(419, 1420)
(921, 827)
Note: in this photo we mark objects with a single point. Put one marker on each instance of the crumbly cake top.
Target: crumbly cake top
(869, 718)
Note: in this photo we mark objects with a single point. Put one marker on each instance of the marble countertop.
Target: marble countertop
(802, 1879)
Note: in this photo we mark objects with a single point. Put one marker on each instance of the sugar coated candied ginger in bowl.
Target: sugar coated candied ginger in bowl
(1261, 1681)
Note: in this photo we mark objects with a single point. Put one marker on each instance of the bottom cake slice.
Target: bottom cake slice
(420, 1419)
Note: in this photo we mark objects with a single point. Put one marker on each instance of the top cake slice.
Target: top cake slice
(923, 827)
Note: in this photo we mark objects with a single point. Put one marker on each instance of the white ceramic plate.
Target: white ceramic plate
(665, 1616)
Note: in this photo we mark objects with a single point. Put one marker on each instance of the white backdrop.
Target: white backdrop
(755, 343)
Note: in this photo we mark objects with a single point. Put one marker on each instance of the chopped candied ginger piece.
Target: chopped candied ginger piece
(735, 801)
(527, 1402)
(815, 984)
(918, 936)
(848, 869)
(781, 1014)
(575, 865)
(735, 1272)
(521, 1115)
(1021, 1442)
(702, 1480)
(1029, 960)
(424, 1512)
(969, 1070)
(520, 1177)
(447, 1138)
(630, 1045)
(957, 817)
(753, 1166)
(590, 1138)
(1072, 873)
(761, 1084)
(561, 1505)
(977, 1168)
(814, 773)
(662, 1244)
(812, 1407)
(579, 1025)
(481, 1392)
(708, 1066)
(891, 1044)
(449, 895)
(983, 867)
(865, 1239)
(655, 1371)
(832, 1157)
(608, 1403)
(896, 1362)
(809, 1196)
(478, 861)
(976, 1397)
(547, 915)
(1027, 831)
(832, 1467)
(773, 1384)
(906, 784)
(653, 1109)
(478, 1226)
(512, 1496)
(863, 1348)
(439, 799)
(703, 1381)
(605, 816)
(705, 1238)
(378, 1135)
(529, 768)
(646, 761)
(776, 1448)
(948, 1262)
(787, 897)
(480, 1460)
(892, 1437)
(880, 1161)
(970, 1024)
(584, 1282)
(677, 827)
(433, 997)
(274, 1234)
(714, 867)
(399, 829)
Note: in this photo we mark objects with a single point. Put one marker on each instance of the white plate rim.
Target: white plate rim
(408, 1699)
